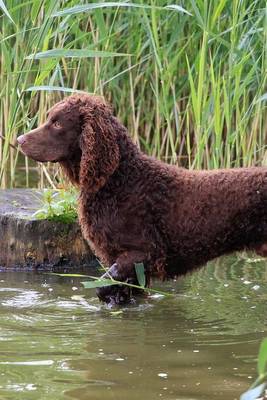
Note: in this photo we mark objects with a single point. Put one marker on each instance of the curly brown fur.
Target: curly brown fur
(134, 208)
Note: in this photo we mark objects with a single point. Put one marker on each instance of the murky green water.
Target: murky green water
(58, 342)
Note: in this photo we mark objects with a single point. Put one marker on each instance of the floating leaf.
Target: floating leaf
(98, 283)
(116, 312)
(77, 297)
(140, 273)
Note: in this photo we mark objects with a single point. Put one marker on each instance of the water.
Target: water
(58, 342)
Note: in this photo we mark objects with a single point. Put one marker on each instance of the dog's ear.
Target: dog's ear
(100, 150)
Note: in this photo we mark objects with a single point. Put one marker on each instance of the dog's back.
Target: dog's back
(217, 212)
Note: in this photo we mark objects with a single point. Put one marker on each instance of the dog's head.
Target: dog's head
(79, 129)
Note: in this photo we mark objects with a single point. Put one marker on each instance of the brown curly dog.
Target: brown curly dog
(134, 208)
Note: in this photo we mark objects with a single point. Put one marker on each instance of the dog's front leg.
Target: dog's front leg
(122, 270)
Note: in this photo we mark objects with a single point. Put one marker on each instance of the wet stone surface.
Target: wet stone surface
(28, 242)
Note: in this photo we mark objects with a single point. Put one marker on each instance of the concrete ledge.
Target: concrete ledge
(27, 242)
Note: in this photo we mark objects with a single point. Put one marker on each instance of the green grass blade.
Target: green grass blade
(102, 5)
(98, 283)
(89, 7)
(53, 89)
(263, 97)
(262, 358)
(175, 7)
(5, 10)
(74, 53)
(140, 274)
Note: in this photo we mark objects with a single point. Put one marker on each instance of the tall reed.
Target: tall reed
(188, 80)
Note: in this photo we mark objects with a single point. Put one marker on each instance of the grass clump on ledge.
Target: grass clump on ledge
(60, 206)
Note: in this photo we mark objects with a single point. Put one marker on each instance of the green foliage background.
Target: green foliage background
(188, 78)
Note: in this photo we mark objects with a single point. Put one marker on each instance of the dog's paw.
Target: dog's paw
(114, 294)
(117, 294)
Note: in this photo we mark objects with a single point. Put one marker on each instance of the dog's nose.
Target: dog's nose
(21, 139)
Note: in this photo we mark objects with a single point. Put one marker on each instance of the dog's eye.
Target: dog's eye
(57, 124)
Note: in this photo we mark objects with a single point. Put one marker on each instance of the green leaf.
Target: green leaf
(58, 209)
(98, 283)
(40, 214)
(73, 53)
(253, 394)
(116, 312)
(53, 88)
(88, 7)
(58, 206)
(36, 6)
(140, 273)
(4, 9)
(262, 358)
(175, 7)
(263, 97)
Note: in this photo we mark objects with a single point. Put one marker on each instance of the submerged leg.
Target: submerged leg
(123, 270)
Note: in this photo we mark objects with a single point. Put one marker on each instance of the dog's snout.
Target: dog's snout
(21, 139)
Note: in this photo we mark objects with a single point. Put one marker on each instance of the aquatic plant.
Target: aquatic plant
(96, 282)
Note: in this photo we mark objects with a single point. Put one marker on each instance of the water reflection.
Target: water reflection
(58, 342)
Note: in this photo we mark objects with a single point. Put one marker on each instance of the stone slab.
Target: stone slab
(28, 242)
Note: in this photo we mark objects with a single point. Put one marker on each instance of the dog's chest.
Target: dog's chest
(96, 228)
